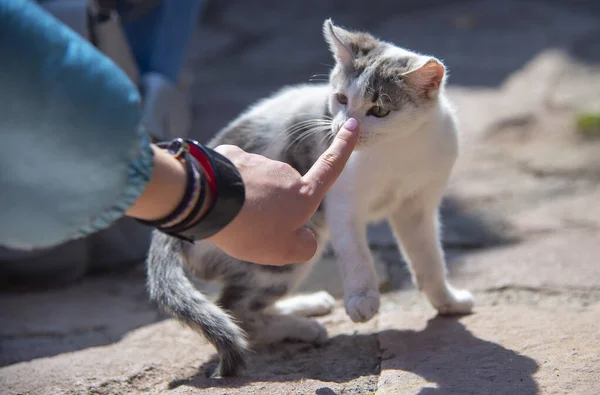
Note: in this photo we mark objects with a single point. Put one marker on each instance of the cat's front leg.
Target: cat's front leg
(349, 239)
(416, 227)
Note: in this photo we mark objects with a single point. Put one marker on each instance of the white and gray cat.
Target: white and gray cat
(408, 145)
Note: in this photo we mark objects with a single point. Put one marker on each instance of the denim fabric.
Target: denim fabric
(159, 39)
(72, 157)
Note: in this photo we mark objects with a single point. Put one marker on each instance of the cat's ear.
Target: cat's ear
(338, 39)
(427, 78)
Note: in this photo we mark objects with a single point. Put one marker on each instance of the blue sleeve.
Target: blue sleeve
(72, 155)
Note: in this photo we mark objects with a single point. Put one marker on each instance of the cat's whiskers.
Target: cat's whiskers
(319, 78)
(298, 114)
(327, 138)
(307, 123)
(303, 129)
(309, 132)
(306, 128)
(322, 129)
(302, 125)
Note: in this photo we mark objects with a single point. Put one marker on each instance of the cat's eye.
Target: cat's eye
(378, 111)
(341, 98)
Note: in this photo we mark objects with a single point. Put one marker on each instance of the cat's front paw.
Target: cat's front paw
(457, 301)
(361, 307)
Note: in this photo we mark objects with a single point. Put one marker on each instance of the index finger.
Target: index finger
(329, 166)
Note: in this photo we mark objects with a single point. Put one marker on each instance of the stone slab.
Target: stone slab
(499, 350)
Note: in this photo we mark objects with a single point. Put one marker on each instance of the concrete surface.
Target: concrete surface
(522, 220)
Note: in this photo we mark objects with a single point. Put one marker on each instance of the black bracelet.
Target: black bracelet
(188, 220)
(228, 196)
(226, 184)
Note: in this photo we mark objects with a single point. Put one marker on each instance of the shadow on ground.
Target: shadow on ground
(445, 354)
(453, 360)
(94, 312)
(463, 230)
(342, 359)
(100, 310)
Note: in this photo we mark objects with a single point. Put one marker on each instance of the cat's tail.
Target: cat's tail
(169, 286)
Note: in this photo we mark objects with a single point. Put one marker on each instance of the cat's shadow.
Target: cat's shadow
(444, 354)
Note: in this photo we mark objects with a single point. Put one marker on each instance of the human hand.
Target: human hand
(279, 201)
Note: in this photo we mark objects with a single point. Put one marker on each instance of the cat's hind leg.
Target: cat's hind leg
(251, 299)
(274, 328)
(304, 305)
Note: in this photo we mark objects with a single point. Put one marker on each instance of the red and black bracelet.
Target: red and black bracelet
(205, 168)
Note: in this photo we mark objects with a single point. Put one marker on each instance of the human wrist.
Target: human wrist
(193, 204)
(164, 190)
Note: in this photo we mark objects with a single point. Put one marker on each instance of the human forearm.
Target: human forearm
(165, 190)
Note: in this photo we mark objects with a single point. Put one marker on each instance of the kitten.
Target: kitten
(407, 147)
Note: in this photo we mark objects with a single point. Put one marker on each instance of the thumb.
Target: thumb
(302, 246)
(329, 166)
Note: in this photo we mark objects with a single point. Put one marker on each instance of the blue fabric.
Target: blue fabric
(160, 38)
(72, 157)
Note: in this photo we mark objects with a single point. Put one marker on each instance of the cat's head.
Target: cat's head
(390, 91)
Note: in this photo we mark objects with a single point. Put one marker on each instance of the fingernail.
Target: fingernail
(306, 234)
(351, 124)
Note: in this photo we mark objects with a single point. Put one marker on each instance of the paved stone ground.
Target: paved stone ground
(522, 216)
